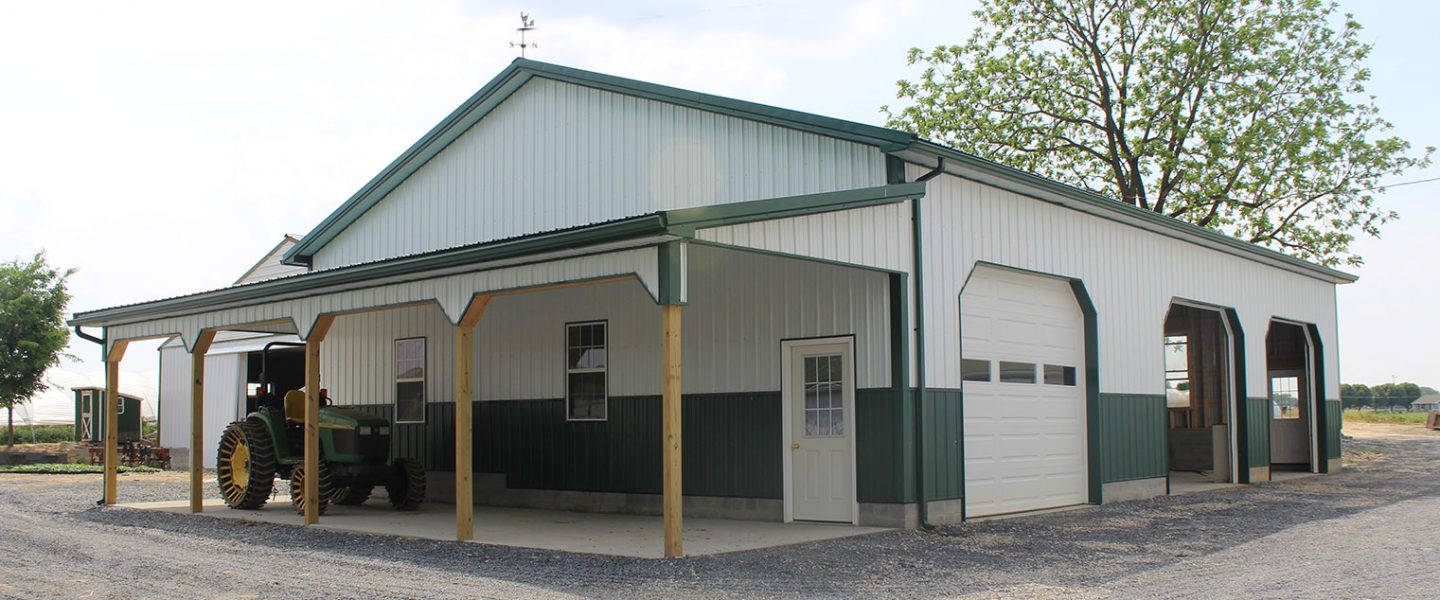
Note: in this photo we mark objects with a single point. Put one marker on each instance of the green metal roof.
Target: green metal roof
(887, 140)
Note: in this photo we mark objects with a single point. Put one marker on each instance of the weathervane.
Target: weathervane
(526, 24)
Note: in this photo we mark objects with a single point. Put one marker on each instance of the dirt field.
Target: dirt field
(1354, 534)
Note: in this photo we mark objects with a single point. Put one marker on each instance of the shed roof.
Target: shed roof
(1426, 399)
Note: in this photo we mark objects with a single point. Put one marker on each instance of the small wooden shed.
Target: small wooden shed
(90, 415)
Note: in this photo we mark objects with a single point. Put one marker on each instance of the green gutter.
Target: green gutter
(686, 220)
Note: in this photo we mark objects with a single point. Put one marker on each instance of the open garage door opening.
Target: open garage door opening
(1289, 363)
(1199, 394)
(1023, 353)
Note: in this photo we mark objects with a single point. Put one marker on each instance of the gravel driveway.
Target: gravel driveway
(1356, 534)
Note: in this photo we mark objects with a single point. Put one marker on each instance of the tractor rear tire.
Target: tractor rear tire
(245, 465)
(407, 484)
(352, 495)
(297, 487)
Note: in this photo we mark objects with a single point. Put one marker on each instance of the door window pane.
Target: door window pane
(1017, 372)
(1285, 397)
(1059, 375)
(974, 370)
(824, 396)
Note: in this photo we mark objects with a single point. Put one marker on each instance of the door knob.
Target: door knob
(795, 446)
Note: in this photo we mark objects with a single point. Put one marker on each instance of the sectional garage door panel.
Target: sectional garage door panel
(1025, 443)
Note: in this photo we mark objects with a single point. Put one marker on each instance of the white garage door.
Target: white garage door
(1023, 358)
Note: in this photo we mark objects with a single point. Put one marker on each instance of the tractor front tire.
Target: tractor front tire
(245, 465)
(297, 487)
(407, 484)
(352, 495)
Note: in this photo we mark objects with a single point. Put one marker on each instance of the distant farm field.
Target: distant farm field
(1370, 416)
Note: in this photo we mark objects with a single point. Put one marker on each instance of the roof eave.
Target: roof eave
(1131, 215)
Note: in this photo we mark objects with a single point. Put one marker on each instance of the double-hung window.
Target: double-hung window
(586, 361)
(410, 380)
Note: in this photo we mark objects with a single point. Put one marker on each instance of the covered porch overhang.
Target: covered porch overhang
(650, 250)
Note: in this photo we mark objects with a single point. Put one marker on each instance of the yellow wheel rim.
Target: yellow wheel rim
(240, 465)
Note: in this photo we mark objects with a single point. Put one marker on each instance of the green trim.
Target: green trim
(1092, 391)
(1175, 228)
(672, 273)
(1242, 416)
(686, 220)
(1327, 421)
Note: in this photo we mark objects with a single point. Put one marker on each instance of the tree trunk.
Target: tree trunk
(10, 418)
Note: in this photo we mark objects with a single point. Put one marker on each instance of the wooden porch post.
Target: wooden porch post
(464, 423)
(197, 420)
(670, 417)
(312, 417)
(112, 416)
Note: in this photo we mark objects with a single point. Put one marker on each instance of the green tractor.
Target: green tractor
(354, 448)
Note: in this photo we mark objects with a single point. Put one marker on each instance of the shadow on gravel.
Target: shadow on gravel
(1082, 547)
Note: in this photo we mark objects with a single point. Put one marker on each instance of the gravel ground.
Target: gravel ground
(1348, 535)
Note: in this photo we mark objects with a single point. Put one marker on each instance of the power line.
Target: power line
(1401, 184)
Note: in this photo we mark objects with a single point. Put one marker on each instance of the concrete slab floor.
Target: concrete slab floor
(1186, 482)
(589, 533)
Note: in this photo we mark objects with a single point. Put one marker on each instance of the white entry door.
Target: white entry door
(1022, 365)
(820, 394)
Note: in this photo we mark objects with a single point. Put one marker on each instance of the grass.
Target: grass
(1370, 416)
(71, 469)
(43, 434)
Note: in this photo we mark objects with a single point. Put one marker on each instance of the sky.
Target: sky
(161, 148)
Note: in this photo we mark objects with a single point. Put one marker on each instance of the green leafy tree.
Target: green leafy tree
(1396, 395)
(1245, 116)
(1356, 395)
(32, 329)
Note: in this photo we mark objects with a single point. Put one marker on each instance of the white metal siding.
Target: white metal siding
(271, 267)
(742, 305)
(224, 398)
(1131, 275)
(874, 236)
(558, 155)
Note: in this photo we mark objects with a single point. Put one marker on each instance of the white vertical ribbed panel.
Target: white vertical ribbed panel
(1131, 276)
(357, 358)
(874, 236)
(224, 399)
(742, 304)
(559, 155)
(270, 267)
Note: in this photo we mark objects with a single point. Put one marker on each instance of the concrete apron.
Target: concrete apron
(588, 533)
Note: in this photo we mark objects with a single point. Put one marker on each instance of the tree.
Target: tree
(1356, 395)
(32, 329)
(1245, 116)
(1426, 390)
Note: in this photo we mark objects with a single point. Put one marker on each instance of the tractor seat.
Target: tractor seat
(295, 406)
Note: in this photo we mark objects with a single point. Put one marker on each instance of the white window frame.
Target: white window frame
(565, 357)
(425, 372)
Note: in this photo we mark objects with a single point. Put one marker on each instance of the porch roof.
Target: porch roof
(430, 268)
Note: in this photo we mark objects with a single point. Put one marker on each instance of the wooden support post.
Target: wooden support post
(670, 417)
(312, 417)
(197, 420)
(464, 423)
(112, 417)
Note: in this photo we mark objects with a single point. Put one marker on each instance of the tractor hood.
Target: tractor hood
(337, 417)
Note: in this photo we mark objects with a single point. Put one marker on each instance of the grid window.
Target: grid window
(1285, 397)
(586, 364)
(410, 380)
(824, 396)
